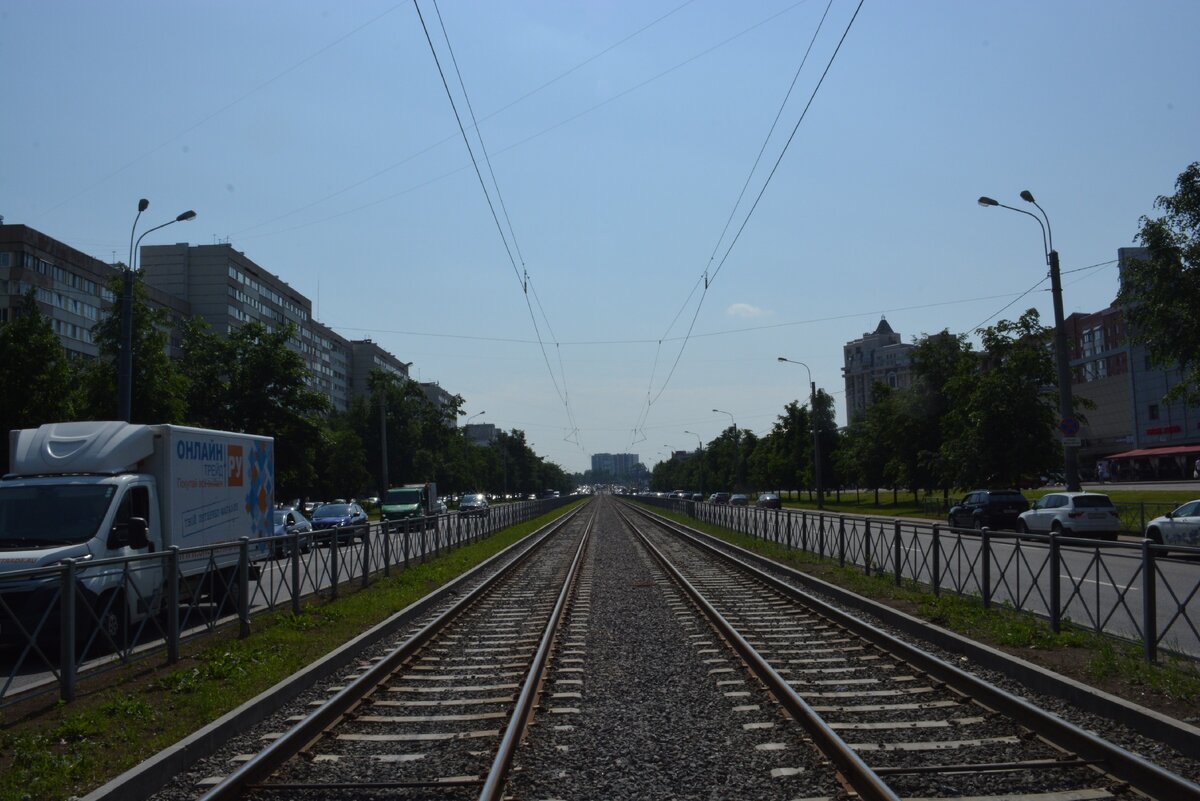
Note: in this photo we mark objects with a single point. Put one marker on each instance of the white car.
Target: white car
(1180, 527)
(1072, 514)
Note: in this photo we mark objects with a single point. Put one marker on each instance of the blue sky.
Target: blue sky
(318, 139)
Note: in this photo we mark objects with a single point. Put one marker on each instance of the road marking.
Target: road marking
(1121, 587)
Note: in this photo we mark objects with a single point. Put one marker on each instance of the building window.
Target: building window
(1153, 411)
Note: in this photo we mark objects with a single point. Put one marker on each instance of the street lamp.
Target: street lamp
(816, 434)
(472, 417)
(700, 457)
(1062, 358)
(125, 352)
(737, 449)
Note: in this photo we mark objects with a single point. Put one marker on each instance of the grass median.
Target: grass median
(51, 751)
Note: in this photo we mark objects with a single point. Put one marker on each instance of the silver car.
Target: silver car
(1072, 514)
(1180, 527)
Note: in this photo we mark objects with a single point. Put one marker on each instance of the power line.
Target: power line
(707, 279)
(523, 281)
(503, 150)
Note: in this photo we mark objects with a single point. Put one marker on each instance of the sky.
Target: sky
(319, 139)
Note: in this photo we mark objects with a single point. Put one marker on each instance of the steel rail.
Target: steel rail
(1140, 773)
(267, 761)
(857, 773)
(493, 787)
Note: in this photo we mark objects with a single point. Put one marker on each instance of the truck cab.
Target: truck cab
(409, 502)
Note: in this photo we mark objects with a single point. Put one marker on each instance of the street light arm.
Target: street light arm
(187, 215)
(1049, 233)
(987, 201)
(143, 204)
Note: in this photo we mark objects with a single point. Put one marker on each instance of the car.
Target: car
(474, 504)
(348, 519)
(1180, 527)
(1072, 514)
(998, 509)
(768, 500)
(738, 499)
(288, 522)
(441, 507)
(697, 496)
(719, 497)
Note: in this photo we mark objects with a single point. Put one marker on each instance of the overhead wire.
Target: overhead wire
(521, 275)
(804, 113)
(505, 149)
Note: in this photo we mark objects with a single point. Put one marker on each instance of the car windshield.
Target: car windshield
(40, 516)
(471, 499)
(1006, 497)
(402, 497)
(332, 510)
(1092, 501)
(280, 516)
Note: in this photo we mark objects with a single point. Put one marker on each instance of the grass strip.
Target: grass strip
(57, 750)
(1171, 685)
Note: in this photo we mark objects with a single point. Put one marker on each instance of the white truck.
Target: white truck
(91, 491)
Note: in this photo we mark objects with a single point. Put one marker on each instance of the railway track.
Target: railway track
(896, 722)
(443, 711)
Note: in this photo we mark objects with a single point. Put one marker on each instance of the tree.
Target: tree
(253, 382)
(37, 382)
(1161, 292)
(1000, 426)
(157, 390)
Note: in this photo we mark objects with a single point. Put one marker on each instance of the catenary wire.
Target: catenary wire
(491, 206)
(526, 140)
(708, 280)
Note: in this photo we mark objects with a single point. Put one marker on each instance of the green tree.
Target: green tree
(253, 382)
(37, 382)
(1000, 426)
(1161, 292)
(158, 389)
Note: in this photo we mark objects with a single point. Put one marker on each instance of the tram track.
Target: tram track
(896, 721)
(444, 709)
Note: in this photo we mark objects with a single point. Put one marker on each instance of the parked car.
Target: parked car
(441, 507)
(348, 519)
(288, 522)
(697, 496)
(474, 504)
(1180, 527)
(1072, 514)
(998, 509)
(738, 499)
(768, 500)
(719, 497)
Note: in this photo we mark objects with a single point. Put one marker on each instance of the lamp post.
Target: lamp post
(737, 450)
(700, 457)
(472, 417)
(812, 385)
(1061, 356)
(125, 353)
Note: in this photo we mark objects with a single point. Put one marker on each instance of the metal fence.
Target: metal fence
(1130, 590)
(60, 620)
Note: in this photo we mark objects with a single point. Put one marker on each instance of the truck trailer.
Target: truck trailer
(92, 491)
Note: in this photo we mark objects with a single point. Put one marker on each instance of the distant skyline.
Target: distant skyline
(318, 139)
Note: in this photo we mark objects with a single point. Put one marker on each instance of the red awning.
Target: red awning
(1143, 452)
